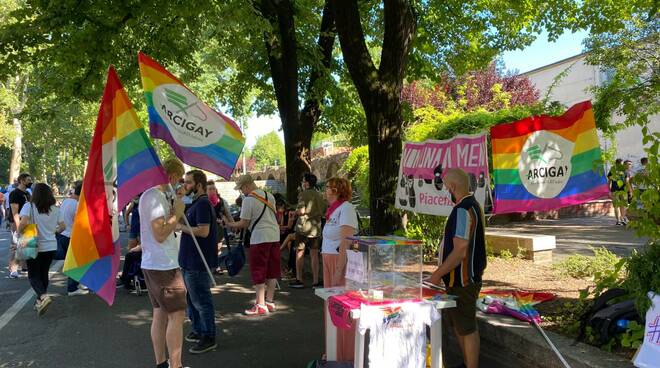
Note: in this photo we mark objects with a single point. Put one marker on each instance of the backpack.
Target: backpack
(608, 308)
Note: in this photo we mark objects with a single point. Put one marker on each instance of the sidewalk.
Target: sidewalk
(576, 235)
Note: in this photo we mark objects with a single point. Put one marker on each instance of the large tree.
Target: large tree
(383, 43)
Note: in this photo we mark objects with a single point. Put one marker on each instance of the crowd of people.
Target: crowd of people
(623, 180)
(175, 238)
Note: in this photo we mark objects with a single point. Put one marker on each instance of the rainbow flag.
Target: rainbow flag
(544, 162)
(122, 163)
(199, 135)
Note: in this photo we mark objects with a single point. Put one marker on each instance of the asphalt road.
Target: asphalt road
(82, 331)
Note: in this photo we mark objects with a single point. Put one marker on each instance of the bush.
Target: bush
(643, 270)
(427, 228)
(580, 266)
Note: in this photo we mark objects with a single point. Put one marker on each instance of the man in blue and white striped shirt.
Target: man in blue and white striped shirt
(463, 255)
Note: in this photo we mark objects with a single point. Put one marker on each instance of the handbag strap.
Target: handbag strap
(266, 204)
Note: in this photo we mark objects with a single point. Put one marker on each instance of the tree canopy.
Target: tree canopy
(268, 150)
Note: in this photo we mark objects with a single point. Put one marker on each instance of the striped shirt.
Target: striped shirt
(466, 221)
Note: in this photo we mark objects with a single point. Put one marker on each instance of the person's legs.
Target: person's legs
(45, 260)
(12, 263)
(300, 260)
(159, 327)
(471, 349)
(329, 262)
(174, 337)
(260, 294)
(34, 276)
(63, 242)
(191, 311)
(271, 284)
(314, 259)
(200, 302)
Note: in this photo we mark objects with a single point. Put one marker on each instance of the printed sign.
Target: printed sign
(355, 269)
(649, 354)
(423, 165)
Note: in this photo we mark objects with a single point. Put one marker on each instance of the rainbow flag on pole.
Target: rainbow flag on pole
(122, 163)
(544, 162)
(199, 135)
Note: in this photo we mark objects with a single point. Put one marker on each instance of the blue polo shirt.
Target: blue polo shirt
(200, 212)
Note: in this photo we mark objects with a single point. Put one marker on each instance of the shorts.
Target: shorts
(264, 261)
(464, 316)
(166, 289)
(303, 242)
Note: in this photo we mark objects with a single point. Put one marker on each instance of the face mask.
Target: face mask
(28, 185)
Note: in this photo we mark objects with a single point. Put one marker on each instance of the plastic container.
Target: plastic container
(385, 268)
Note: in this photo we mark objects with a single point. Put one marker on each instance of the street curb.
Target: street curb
(532, 350)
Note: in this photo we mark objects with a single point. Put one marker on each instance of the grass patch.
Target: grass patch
(579, 266)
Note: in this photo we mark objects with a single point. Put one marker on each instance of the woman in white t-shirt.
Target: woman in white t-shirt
(41, 210)
(340, 223)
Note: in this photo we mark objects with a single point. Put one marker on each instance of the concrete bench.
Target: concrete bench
(538, 248)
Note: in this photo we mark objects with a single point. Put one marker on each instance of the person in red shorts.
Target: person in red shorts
(258, 218)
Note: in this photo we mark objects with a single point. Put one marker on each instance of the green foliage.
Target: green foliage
(643, 271)
(427, 228)
(505, 254)
(581, 266)
(268, 150)
(433, 124)
(356, 168)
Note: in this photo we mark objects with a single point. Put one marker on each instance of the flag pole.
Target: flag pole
(194, 238)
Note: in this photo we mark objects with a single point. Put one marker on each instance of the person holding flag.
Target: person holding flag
(203, 226)
(160, 217)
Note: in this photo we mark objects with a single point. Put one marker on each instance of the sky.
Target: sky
(539, 53)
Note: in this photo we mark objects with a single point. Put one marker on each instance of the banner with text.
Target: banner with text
(420, 187)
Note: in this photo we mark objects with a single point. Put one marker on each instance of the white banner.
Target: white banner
(649, 354)
(420, 188)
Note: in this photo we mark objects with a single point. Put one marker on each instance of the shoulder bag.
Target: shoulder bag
(247, 233)
(27, 244)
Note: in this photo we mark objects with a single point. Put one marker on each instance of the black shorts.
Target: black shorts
(464, 315)
(303, 242)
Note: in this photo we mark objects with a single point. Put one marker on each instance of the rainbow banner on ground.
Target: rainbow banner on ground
(122, 163)
(199, 135)
(544, 162)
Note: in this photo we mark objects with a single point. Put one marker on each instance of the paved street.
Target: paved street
(576, 235)
(84, 332)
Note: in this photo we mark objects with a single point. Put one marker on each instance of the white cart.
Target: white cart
(331, 330)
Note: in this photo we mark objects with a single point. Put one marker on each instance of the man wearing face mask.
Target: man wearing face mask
(463, 257)
(203, 226)
(17, 199)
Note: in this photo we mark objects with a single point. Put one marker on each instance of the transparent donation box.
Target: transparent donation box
(385, 268)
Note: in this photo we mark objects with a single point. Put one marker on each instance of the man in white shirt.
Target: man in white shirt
(159, 216)
(258, 218)
(68, 213)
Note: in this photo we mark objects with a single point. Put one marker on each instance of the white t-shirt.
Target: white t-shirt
(344, 215)
(68, 212)
(397, 333)
(156, 256)
(46, 225)
(267, 229)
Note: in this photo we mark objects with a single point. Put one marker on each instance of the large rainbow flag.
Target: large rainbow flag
(199, 135)
(544, 162)
(122, 163)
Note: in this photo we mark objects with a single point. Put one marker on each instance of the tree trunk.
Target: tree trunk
(379, 91)
(17, 151)
(282, 57)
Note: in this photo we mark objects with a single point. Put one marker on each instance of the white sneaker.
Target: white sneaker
(78, 292)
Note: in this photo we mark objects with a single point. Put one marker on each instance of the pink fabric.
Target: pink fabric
(547, 204)
(214, 198)
(332, 207)
(339, 307)
(345, 337)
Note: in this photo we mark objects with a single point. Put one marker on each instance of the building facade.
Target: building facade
(575, 87)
